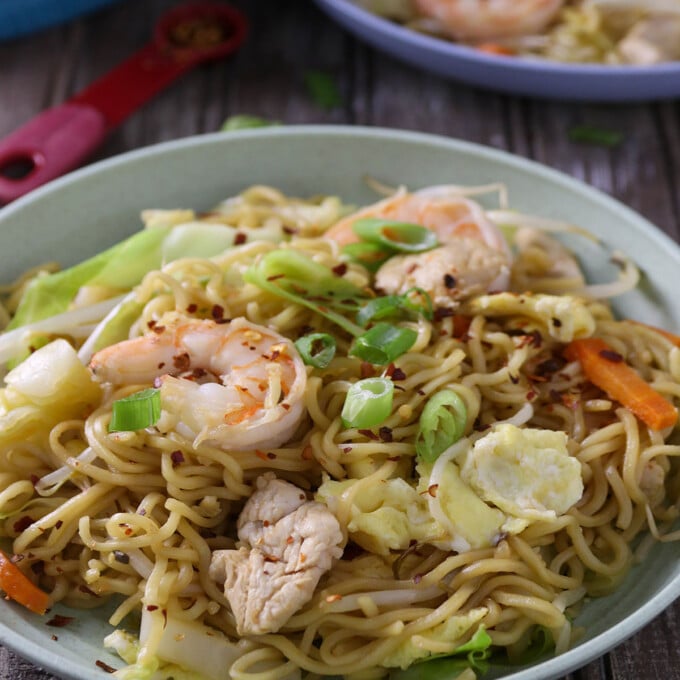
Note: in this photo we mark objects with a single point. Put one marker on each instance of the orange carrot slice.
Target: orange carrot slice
(606, 369)
(19, 588)
(495, 48)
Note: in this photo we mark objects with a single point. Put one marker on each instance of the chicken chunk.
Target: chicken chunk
(461, 268)
(289, 543)
(653, 40)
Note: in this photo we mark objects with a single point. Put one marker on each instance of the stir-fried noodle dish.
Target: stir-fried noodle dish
(641, 32)
(290, 438)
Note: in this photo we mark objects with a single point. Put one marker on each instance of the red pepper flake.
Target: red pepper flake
(128, 532)
(177, 458)
(443, 313)
(284, 406)
(261, 454)
(531, 394)
(104, 666)
(514, 379)
(151, 607)
(550, 366)
(367, 370)
(289, 230)
(192, 308)
(54, 637)
(333, 598)
(239, 238)
(217, 312)
(610, 355)
(385, 433)
(34, 479)
(161, 365)
(158, 329)
(151, 324)
(340, 269)
(58, 524)
(369, 434)
(398, 374)
(303, 558)
(432, 490)
(417, 578)
(59, 621)
(307, 453)
(23, 524)
(346, 449)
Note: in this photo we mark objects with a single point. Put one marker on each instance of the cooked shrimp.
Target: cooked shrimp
(437, 208)
(487, 19)
(235, 385)
(473, 258)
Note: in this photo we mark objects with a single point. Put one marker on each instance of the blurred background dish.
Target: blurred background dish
(21, 17)
(533, 77)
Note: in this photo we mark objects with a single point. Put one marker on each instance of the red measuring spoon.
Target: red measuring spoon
(59, 139)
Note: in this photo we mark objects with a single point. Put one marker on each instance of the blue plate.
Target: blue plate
(21, 17)
(538, 78)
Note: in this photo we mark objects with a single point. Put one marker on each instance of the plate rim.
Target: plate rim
(446, 48)
(554, 667)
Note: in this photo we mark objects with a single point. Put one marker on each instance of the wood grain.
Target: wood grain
(266, 78)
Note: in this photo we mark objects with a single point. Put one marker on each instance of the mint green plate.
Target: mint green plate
(78, 215)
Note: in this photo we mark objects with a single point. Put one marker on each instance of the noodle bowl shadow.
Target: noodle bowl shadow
(79, 215)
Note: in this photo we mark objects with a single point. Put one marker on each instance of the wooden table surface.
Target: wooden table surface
(267, 78)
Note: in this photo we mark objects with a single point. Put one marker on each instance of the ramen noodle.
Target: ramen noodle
(288, 438)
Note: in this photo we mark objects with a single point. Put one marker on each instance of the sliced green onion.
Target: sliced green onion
(323, 89)
(587, 134)
(379, 308)
(442, 423)
(418, 301)
(370, 255)
(402, 237)
(414, 301)
(137, 411)
(368, 403)
(383, 343)
(298, 278)
(316, 349)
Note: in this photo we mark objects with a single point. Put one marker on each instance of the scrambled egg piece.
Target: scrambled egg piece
(472, 523)
(566, 317)
(444, 638)
(527, 473)
(388, 518)
(499, 485)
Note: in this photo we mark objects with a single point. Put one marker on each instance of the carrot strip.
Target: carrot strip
(607, 370)
(19, 588)
(675, 339)
(495, 48)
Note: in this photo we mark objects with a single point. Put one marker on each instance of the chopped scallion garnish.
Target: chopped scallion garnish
(383, 343)
(414, 301)
(316, 349)
(370, 255)
(587, 134)
(136, 412)
(368, 403)
(442, 423)
(402, 237)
